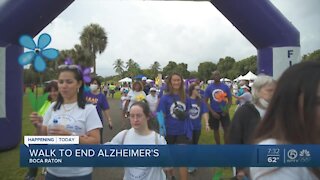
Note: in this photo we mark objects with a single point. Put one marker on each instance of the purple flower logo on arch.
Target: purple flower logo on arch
(38, 52)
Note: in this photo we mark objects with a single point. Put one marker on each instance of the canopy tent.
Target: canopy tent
(125, 80)
(238, 78)
(249, 76)
(139, 77)
(225, 80)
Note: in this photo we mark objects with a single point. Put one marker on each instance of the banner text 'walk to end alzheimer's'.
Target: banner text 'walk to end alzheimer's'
(65, 151)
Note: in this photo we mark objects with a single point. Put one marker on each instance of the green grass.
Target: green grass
(10, 160)
(208, 138)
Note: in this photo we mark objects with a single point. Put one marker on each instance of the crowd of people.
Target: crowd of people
(286, 111)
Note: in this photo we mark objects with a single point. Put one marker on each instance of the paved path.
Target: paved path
(117, 173)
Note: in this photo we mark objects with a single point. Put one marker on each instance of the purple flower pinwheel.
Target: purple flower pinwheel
(86, 74)
(38, 52)
(86, 77)
(68, 61)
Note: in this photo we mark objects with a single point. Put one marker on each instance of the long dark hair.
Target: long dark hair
(291, 114)
(181, 93)
(80, 96)
(191, 88)
(146, 111)
(49, 87)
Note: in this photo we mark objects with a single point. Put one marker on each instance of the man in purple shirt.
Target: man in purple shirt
(220, 101)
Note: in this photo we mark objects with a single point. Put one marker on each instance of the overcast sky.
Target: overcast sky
(183, 31)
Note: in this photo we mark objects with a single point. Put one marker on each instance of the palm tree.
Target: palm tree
(118, 66)
(130, 64)
(155, 67)
(133, 68)
(82, 56)
(94, 38)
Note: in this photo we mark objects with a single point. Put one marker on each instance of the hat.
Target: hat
(144, 78)
(153, 89)
(245, 87)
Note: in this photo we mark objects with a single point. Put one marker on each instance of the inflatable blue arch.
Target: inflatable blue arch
(276, 39)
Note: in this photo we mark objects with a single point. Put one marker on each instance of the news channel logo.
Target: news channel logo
(298, 156)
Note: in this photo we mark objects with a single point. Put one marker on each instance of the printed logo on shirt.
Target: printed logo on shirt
(92, 100)
(138, 172)
(68, 122)
(194, 111)
(216, 94)
(181, 106)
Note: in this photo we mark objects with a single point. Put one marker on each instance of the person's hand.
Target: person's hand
(110, 123)
(35, 119)
(59, 130)
(208, 127)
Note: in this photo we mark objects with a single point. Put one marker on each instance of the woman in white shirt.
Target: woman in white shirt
(140, 133)
(152, 99)
(70, 115)
(135, 94)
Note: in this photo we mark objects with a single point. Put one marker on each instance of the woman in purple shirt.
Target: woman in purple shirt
(98, 99)
(178, 130)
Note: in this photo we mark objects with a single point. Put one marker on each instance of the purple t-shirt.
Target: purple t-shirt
(167, 105)
(162, 90)
(99, 100)
(211, 92)
(196, 110)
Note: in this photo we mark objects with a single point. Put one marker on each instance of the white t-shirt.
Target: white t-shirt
(123, 101)
(140, 173)
(152, 102)
(135, 96)
(275, 173)
(77, 120)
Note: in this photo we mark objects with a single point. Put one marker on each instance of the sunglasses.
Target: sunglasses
(66, 66)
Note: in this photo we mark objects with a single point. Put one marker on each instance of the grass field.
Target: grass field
(9, 160)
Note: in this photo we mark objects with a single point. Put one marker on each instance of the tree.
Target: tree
(315, 55)
(82, 56)
(78, 55)
(118, 66)
(133, 68)
(148, 73)
(94, 38)
(64, 54)
(194, 74)
(224, 65)
(243, 67)
(155, 68)
(205, 69)
(170, 68)
(182, 69)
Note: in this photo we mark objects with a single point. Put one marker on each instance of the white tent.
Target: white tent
(238, 78)
(125, 80)
(210, 81)
(225, 80)
(249, 76)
